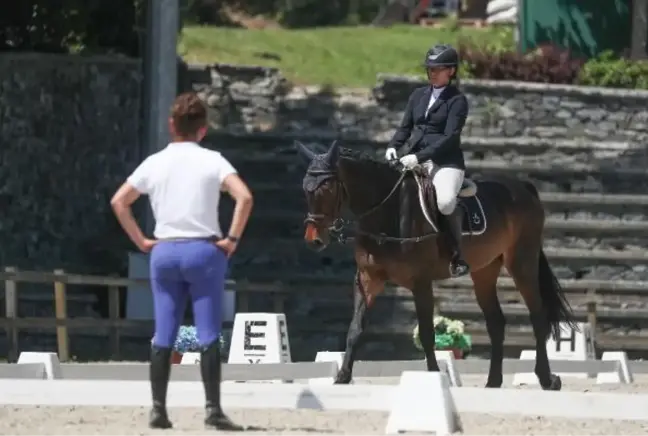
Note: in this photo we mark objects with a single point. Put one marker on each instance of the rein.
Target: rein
(336, 230)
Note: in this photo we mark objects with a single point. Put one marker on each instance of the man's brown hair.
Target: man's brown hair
(189, 114)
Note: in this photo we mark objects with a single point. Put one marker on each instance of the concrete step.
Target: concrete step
(404, 316)
(272, 144)
(271, 196)
(254, 260)
(288, 223)
(553, 176)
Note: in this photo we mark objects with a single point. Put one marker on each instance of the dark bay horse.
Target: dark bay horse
(504, 228)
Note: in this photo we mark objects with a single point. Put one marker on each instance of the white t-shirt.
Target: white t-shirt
(183, 182)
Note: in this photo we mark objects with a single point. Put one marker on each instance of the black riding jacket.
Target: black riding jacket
(437, 136)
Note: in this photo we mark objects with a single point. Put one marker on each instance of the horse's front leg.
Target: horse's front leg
(424, 304)
(364, 288)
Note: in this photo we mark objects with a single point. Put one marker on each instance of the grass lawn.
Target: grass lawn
(342, 56)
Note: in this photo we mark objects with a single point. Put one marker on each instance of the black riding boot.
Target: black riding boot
(159, 372)
(210, 370)
(458, 266)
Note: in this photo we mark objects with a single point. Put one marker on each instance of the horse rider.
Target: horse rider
(189, 256)
(433, 120)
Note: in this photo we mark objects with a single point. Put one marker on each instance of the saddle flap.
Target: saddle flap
(474, 222)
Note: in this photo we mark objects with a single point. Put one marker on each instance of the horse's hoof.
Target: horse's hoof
(555, 383)
(494, 384)
(342, 378)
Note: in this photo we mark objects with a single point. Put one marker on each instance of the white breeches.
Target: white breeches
(447, 183)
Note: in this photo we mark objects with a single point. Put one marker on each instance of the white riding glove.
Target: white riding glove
(391, 154)
(409, 161)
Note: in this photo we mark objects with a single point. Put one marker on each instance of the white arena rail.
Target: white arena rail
(421, 401)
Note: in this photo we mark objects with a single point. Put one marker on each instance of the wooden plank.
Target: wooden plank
(269, 145)
(297, 282)
(11, 314)
(476, 165)
(602, 313)
(113, 315)
(468, 310)
(106, 281)
(548, 198)
(584, 199)
(60, 307)
(104, 324)
(553, 225)
(285, 247)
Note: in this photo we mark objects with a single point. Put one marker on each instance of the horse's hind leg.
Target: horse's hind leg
(522, 263)
(485, 283)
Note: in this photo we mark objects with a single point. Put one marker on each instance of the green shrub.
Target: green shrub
(609, 71)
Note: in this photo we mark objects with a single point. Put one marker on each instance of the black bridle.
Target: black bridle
(336, 230)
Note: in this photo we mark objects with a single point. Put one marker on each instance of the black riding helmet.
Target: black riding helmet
(441, 55)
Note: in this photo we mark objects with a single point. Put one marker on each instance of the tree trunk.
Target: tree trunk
(639, 29)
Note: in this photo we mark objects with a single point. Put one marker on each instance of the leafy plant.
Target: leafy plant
(448, 333)
(607, 70)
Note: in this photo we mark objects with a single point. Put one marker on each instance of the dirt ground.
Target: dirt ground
(132, 420)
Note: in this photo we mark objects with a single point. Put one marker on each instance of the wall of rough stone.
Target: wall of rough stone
(69, 129)
(256, 99)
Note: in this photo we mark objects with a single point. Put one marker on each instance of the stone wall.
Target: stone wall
(69, 129)
(256, 99)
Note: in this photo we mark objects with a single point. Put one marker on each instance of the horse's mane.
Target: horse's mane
(373, 165)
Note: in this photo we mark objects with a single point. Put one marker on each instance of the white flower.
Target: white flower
(416, 339)
(455, 327)
(442, 325)
(440, 321)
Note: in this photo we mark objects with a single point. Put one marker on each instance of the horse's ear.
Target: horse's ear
(333, 154)
(306, 154)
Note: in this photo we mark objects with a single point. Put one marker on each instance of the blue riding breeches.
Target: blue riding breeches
(183, 269)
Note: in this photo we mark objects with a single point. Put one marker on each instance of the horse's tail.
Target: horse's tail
(553, 297)
(555, 303)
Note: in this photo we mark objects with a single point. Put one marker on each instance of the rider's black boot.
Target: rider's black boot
(159, 372)
(210, 370)
(458, 266)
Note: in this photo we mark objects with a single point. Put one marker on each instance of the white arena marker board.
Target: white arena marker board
(447, 356)
(190, 358)
(51, 362)
(622, 375)
(422, 402)
(571, 345)
(327, 356)
(259, 338)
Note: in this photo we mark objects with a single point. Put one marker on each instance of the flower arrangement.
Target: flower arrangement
(449, 334)
(187, 340)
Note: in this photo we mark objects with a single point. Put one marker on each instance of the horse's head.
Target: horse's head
(324, 194)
